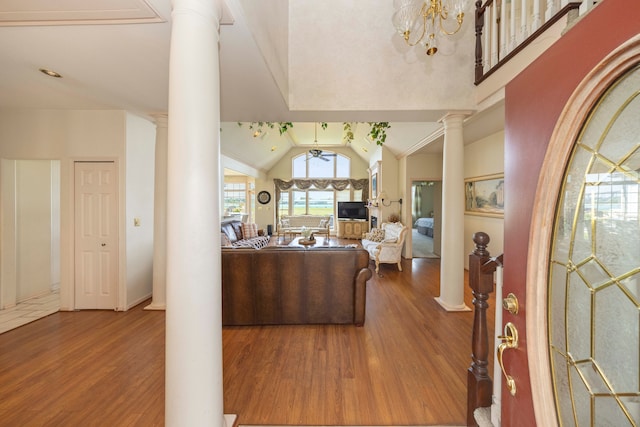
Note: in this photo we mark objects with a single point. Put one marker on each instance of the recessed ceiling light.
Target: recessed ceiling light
(50, 73)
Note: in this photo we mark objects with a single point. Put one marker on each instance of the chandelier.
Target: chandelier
(427, 18)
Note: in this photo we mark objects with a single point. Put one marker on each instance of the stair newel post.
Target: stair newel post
(479, 384)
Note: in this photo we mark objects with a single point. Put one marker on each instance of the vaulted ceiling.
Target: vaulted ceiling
(302, 61)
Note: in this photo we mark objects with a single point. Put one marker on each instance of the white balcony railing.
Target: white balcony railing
(503, 27)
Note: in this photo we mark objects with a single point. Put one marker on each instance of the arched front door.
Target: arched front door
(546, 110)
(593, 270)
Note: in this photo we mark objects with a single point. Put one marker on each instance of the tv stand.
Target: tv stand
(352, 228)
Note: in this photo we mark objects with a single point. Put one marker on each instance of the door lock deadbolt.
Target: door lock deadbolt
(510, 303)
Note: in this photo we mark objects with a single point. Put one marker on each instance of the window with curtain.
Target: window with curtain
(312, 191)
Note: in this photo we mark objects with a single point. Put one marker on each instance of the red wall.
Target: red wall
(533, 103)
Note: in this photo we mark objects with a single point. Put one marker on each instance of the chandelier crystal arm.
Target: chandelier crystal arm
(424, 31)
(459, 19)
(406, 20)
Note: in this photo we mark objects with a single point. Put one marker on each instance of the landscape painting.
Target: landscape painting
(485, 195)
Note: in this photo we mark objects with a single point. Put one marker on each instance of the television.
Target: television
(352, 210)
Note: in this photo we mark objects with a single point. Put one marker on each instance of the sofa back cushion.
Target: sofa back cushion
(228, 229)
(310, 221)
(237, 227)
(224, 239)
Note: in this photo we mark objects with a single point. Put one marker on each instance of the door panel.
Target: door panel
(96, 235)
(538, 126)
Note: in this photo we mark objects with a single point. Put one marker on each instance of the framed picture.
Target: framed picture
(484, 195)
(374, 185)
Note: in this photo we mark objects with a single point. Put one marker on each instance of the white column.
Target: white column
(159, 298)
(452, 247)
(193, 377)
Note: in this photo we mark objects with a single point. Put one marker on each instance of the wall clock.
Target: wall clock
(264, 197)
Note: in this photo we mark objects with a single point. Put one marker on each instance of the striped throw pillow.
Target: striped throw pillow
(249, 230)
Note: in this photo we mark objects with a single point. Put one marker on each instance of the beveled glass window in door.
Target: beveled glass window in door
(594, 276)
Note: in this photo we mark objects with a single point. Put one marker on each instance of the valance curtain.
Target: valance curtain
(321, 184)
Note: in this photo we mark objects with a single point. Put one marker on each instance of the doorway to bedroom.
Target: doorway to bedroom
(426, 213)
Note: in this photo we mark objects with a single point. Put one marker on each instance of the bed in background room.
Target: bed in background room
(424, 226)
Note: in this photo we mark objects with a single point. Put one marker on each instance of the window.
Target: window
(313, 201)
(238, 197)
(235, 197)
(330, 165)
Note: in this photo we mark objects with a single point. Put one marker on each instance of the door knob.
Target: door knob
(103, 244)
(509, 340)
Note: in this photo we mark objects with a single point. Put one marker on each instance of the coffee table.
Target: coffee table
(320, 241)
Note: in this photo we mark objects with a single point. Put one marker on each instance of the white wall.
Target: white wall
(389, 170)
(72, 135)
(481, 158)
(140, 155)
(33, 228)
(8, 287)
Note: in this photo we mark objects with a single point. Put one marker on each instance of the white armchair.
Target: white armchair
(385, 244)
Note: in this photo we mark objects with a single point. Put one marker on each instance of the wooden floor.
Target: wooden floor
(406, 366)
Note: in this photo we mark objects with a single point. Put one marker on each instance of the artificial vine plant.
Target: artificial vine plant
(377, 130)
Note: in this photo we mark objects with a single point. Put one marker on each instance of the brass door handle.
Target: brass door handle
(509, 340)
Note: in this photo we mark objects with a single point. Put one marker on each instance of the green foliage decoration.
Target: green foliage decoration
(377, 130)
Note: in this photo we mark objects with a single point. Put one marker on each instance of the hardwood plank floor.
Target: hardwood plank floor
(406, 366)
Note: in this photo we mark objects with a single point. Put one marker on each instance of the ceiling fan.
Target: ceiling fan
(316, 152)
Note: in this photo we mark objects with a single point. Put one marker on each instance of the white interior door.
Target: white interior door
(96, 235)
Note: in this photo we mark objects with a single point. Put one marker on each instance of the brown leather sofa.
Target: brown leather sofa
(293, 285)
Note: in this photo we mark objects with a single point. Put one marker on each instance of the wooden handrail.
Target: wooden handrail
(481, 269)
(480, 73)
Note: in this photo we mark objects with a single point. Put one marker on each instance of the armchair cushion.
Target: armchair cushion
(375, 235)
(392, 232)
